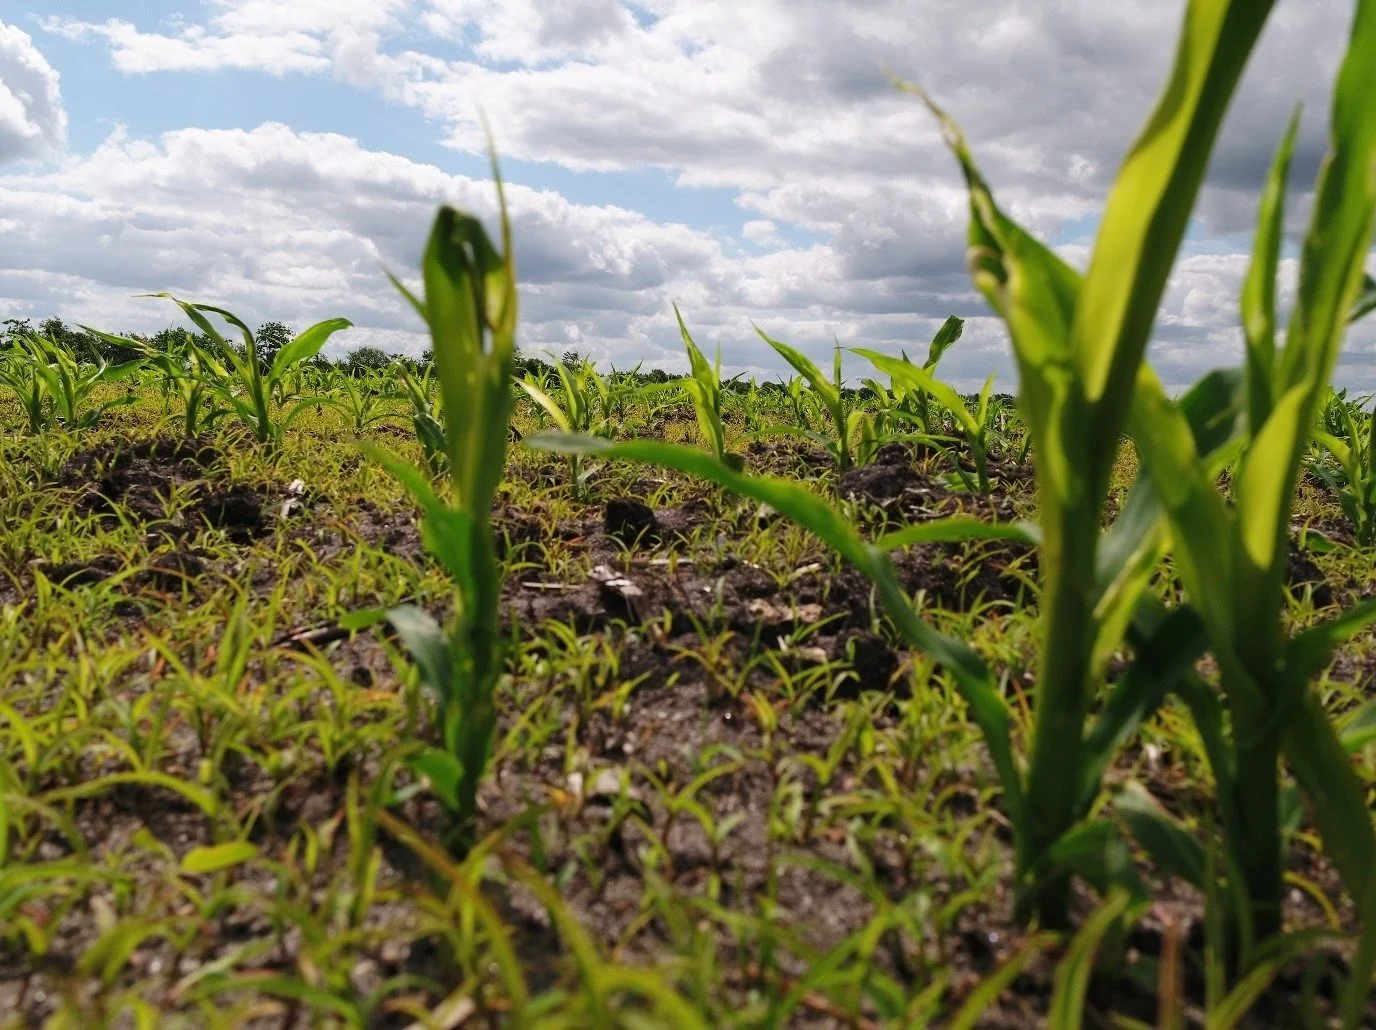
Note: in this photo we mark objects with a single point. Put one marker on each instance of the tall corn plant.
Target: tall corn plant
(470, 308)
(1078, 343)
(1231, 558)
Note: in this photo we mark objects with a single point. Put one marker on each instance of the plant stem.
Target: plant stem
(1063, 689)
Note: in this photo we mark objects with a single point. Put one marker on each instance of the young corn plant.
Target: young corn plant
(830, 394)
(1353, 482)
(574, 411)
(973, 425)
(708, 395)
(1078, 341)
(1231, 558)
(365, 401)
(426, 419)
(239, 378)
(946, 336)
(55, 388)
(186, 370)
(469, 305)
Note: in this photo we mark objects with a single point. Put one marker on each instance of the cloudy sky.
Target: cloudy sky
(744, 158)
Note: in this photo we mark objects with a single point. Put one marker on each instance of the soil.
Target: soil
(678, 711)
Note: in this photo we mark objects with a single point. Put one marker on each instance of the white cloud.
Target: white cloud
(278, 224)
(761, 232)
(33, 123)
(782, 102)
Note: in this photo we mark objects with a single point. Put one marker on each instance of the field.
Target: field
(489, 690)
(721, 782)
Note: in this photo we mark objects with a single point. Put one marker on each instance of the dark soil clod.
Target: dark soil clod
(630, 520)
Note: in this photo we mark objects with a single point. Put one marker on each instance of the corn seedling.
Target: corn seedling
(974, 426)
(1353, 482)
(55, 389)
(1232, 558)
(469, 305)
(707, 392)
(426, 418)
(830, 395)
(240, 380)
(364, 401)
(574, 410)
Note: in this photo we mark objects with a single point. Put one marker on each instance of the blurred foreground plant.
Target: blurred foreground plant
(1232, 557)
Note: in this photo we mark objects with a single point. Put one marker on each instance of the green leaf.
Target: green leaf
(547, 402)
(986, 703)
(1167, 646)
(1263, 485)
(1311, 650)
(443, 770)
(983, 997)
(1360, 730)
(308, 344)
(806, 368)
(1072, 976)
(1337, 798)
(918, 377)
(947, 335)
(1150, 205)
(213, 859)
(1095, 851)
(428, 646)
(1259, 289)
(1171, 846)
(958, 527)
(1331, 276)
(1166, 445)
(1365, 302)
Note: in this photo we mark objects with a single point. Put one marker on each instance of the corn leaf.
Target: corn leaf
(1170, 844)
(1259, 288)
(959, 527)
(428, 647)
(948, 334)
(1072, 975)
(1365, 302)
(916, 376)
(308, 344)
(1150, 205)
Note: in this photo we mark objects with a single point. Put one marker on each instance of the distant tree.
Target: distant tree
(15, 327)
(271, 337)
(114, 353)
(174, 337)
(77, 342)
(366, 359)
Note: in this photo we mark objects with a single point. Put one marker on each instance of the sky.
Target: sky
(749, 160)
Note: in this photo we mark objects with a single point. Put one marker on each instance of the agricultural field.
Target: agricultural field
(494, 689)
(722, 790)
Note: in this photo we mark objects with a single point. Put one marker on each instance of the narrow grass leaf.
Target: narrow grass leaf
(213, 859)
